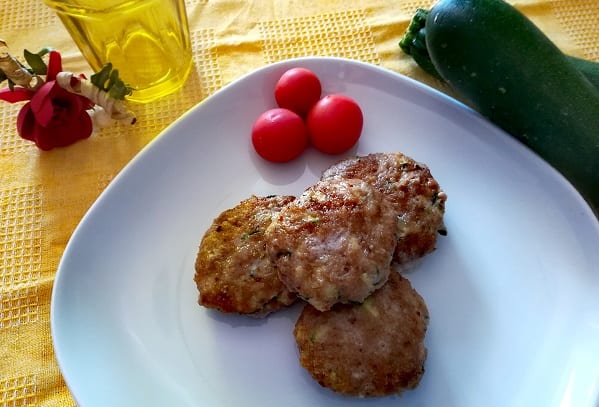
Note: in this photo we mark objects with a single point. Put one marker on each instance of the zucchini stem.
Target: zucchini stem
(413, 43)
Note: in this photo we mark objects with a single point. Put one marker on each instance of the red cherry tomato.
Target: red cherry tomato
(335, 124)
(279, 135)
(297, 90)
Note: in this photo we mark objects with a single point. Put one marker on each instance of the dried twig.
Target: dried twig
(114, 109)
(16, 72)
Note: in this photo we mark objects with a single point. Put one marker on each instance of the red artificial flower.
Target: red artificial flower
(54, 117)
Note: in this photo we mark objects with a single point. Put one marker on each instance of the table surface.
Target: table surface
(43, 195)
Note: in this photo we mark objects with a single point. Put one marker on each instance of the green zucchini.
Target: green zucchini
(589, 69)
(413, 43)
(510, 72)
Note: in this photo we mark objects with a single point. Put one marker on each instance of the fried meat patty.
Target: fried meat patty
(371, 349)
(334, 243)
(416, 196)
(233, 271)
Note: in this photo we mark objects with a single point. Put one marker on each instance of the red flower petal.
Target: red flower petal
(42, 140)
(41, 103)
(60, 136)
(54, 65)
(55, 117)
(47, 138)
(17, 95)
(26, 122)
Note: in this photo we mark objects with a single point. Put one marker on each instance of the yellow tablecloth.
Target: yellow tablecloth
(43, 195)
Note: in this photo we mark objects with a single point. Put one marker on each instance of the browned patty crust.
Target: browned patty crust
(371, 349)
(334, 243)
(416, 196)
(233, 271)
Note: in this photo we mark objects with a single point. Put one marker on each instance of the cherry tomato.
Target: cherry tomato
(279, 135)
(335, 124)
(297, 90)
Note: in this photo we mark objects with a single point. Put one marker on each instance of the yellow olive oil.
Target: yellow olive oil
(146, 40)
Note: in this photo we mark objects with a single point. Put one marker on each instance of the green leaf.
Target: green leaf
(114, 78)
(36, 63)
(118, 88)
(108, 80)
(100, 79)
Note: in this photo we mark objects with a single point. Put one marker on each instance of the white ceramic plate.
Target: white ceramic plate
(512, 290)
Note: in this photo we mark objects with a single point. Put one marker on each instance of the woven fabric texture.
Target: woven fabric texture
(43, 195)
